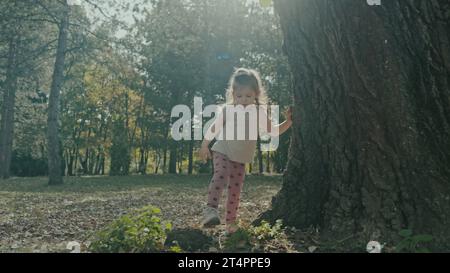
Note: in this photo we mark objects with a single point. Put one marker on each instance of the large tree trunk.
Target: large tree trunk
(371, 155)
(54, 147)
(7, 118)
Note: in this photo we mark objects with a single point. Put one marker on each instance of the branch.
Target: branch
(39, 3)
(98, 8)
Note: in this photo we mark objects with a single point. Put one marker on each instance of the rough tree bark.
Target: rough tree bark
(371, 155)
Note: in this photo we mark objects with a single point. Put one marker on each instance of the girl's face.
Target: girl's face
(244, 96)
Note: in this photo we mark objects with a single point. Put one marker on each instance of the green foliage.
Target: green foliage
(191, 52)
(265, 3)
(413, 243)
(265, 231)
(175, 249)
(252, 238)
(142, 231)
(24, 164)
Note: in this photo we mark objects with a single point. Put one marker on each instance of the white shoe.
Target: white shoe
(210, 217)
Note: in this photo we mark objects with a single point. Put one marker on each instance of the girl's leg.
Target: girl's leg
(237, 175)
(219, 179)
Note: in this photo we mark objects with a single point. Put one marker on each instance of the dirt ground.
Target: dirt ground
(35, 217)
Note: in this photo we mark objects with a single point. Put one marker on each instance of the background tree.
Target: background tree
(22, 48)
(134, 73)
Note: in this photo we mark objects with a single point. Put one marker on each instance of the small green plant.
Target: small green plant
(265, 232)
(140, 231)
(254, 238)
(175, 249)
(413, 243)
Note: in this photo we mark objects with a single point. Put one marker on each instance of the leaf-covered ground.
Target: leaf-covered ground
(35, 217)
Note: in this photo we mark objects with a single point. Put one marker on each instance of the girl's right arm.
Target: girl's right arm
(210, 134)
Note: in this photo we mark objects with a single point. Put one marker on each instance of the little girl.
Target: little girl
(229, 156)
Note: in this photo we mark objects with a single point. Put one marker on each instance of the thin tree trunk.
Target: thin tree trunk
(146, 154)
(103, 165)
(142, 165)
(75, 165)
(70, 163)
(7, 119)
(260, 157)
(268, 163)
(173, 157)
(91, 164)
(87, 155)
(191, 156)
(96, 166)
(96, 169)
(157, 161)
(181, 158)
(105, 137)
(54, 154)
(166, 141)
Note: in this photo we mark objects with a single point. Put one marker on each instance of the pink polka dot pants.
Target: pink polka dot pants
(228, 174)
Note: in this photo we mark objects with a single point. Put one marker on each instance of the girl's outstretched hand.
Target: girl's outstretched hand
(288, 114)
(204, 153)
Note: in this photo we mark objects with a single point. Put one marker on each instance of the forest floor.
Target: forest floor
(35, 217)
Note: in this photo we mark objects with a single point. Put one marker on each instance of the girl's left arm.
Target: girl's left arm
(275, 130)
